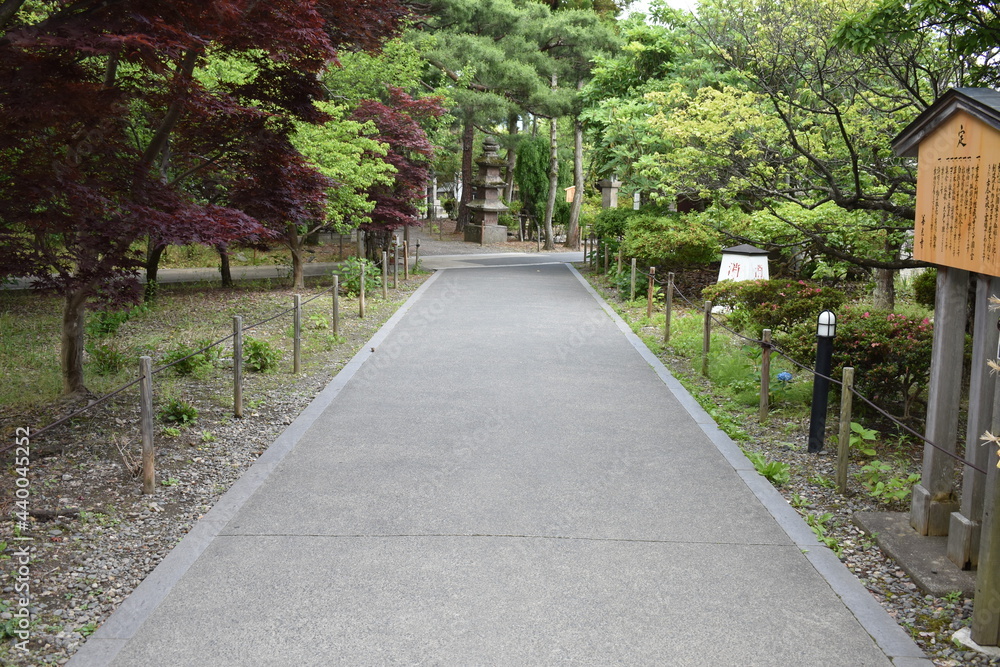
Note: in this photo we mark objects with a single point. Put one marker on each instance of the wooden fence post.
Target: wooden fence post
(631, 293)
(297, 335)
(361, 293)
(336, 305)
(668, 306)
(706, 343)
(844, 444)
(765, 377)
(385, 274)
(649, 292)
(146, 425)
(237, 366)
(406, 260)
(395, 266)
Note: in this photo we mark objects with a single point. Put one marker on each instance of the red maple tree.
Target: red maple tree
(398, 121)
(109, 140)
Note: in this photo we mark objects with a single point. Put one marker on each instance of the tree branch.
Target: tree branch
(159, 140)
(7, 11)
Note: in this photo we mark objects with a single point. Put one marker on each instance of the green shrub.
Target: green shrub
(925, 288)
(878, 479)
(106, 322)
(183, 360)
(210, 350)
(349, 272)
(623, 283)
(776, 472)
(891, 353)
(671, 240)
(260, 355)
(180, 412)
(777, 304)
(107, 358)
(509, 221)
(610, 222)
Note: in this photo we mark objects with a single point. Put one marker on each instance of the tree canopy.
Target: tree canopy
(110, 137)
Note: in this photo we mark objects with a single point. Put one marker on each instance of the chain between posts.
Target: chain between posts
(710, 320)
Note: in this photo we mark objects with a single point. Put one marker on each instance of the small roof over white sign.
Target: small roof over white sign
(744, 249)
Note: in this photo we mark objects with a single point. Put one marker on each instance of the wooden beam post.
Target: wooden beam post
(765, 377)
(933, 499)
(237, 366)
(844, 442)
(146, 425)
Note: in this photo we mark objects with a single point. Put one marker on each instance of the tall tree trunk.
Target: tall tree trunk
(573, 232)
(885, 281)
(154, 251)
(227, 275)
(550, 205)
(71, 352)
(468, 141)
(885, 289)
(508, 188)
(294, 243)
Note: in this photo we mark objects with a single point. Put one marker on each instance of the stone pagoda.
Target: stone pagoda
(485, 207)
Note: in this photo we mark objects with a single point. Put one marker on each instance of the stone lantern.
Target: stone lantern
(486, 206)
(743, 262)
(609, 192)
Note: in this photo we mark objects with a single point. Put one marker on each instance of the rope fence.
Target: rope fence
(712, 320)
(146, 373)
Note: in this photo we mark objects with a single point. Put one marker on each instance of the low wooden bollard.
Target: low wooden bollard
(361, 293)
(706, 343)
(668, 306)
(765, 377)
(385, 274)
(146, 425)
(297, 335)
(649, 292)
(336, 305)
(238, 366)
(844, 443)
(631, 292)
(406, 260)
(395, 267)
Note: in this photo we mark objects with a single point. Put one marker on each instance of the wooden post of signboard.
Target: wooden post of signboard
(965, 525)
(933, 499)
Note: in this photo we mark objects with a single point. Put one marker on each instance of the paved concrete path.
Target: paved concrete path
(510, 478)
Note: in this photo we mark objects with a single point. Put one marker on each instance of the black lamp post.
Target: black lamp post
(826, 329)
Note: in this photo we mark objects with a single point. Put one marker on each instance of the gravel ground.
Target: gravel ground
(94, 536)
(930, 621)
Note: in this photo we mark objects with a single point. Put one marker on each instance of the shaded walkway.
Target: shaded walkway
(507, 479)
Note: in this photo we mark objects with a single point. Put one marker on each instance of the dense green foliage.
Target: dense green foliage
(890, 352)
(778, 305)
(671, 240)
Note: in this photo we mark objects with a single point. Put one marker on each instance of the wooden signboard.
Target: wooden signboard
(958, 196)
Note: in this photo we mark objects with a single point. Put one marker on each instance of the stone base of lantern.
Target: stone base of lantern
(485, 234)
